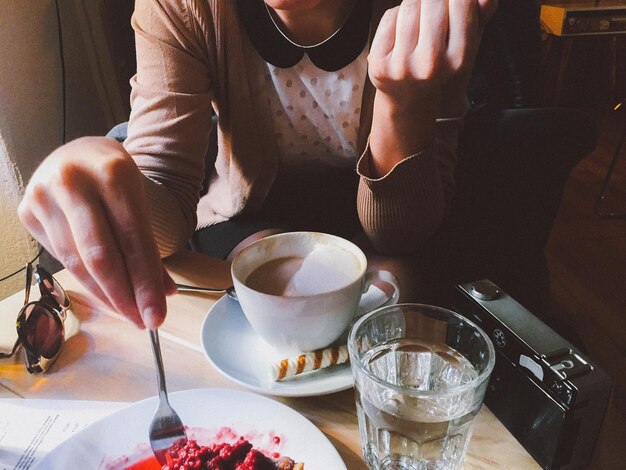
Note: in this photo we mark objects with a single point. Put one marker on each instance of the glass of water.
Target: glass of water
(420, 377)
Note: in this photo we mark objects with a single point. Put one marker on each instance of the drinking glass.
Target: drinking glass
(420, 377)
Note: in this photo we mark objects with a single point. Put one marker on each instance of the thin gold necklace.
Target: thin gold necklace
(271, 15)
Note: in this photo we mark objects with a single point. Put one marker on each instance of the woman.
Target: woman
(306, 91)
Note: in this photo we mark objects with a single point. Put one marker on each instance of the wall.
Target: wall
(30, 117)
(56, 84)
(17, 246)
(99, 58)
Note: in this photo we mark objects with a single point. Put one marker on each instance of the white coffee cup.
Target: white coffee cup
(300, 290)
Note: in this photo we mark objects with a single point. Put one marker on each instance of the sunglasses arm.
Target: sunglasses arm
(29, 281)
(15, 346)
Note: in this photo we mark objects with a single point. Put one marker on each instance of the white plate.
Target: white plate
(212, 415)
(234, 349)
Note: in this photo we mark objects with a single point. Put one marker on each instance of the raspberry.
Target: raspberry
(255, 460)
(222, 456)
(239, 451)
(217, 463)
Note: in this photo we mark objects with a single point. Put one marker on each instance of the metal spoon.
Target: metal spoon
(166, 427)
(229, 291)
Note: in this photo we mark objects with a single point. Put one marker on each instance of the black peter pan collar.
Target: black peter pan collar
(331, 55)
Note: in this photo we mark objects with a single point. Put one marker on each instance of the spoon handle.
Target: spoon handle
(186, 288)
(158, 361)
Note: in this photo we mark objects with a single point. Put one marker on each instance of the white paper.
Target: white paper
(30, 428)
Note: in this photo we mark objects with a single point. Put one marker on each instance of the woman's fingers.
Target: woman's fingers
(97, 252)
(169, 283)
(86, 204)
(47, 224)
(431, 46)
(414, 39)
(464, 32)
(127, 212)
(409, 43)
(408, 29)
(384, 39)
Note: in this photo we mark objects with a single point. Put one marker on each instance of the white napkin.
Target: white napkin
(29, 428)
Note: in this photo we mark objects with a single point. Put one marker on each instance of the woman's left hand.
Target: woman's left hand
(425, 49)
(420, 62)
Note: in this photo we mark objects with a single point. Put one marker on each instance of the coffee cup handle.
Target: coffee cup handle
(386, 277)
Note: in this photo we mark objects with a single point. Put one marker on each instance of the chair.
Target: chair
(514, 160)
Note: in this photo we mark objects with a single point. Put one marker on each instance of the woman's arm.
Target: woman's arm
(419, 62)
(170, 121)
(108, 213)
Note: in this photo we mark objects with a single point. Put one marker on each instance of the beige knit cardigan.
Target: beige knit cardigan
(194, 57)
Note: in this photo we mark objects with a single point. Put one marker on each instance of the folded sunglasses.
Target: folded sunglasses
(40, 324)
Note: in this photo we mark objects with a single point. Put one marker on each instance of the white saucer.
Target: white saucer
(234, 349)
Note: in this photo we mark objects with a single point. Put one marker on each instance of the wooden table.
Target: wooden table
(107, 358)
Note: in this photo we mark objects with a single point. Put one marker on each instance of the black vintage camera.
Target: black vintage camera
(546, 392)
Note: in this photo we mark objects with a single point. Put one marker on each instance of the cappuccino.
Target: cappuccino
(299, 290)
(324, 269)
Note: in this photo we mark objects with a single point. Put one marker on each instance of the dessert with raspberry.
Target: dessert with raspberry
(238, 456)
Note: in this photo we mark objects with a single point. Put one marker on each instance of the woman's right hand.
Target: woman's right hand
(86, 205)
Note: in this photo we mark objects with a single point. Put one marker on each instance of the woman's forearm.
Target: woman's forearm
(399, 130)
(173, 220)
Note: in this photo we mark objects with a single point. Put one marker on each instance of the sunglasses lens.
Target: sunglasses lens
(41, 331)
(49, 287)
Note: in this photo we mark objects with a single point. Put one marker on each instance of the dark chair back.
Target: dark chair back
(506, 71)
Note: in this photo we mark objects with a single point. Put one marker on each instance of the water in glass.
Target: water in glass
(417, 431)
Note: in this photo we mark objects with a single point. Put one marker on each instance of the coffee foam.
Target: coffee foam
(324, 269)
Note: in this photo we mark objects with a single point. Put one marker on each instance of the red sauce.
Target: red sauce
(150, 463)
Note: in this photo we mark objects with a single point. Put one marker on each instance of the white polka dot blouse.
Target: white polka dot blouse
(315, 114)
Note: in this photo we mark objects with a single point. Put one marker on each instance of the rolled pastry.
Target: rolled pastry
(306, 362)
